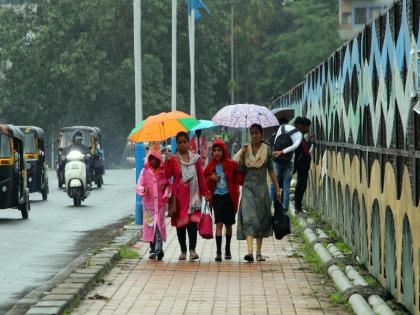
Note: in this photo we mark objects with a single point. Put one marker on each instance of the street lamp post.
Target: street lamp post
(174, 70)
(139, 149)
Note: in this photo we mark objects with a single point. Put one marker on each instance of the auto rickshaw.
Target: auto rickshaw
(35, 156)
(93, 139)
(13, 175)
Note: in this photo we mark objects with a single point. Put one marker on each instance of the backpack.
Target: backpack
(283, 141)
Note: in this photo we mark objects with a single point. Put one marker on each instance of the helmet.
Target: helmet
(77, 136)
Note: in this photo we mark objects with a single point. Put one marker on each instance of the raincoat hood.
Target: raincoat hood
(155, 154)
(221, 144)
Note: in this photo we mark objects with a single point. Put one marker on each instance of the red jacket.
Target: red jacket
(230, 169)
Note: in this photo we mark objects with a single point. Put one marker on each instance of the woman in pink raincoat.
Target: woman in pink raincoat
(153, 186)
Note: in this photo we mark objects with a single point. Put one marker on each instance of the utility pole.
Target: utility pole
(174, 53)
(139, 151)
(232, 51)
(191, 25)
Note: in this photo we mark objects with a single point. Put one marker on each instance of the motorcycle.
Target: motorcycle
(75, 177)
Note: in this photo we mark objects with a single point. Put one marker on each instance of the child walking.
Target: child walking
(153, 186)
(222, 181)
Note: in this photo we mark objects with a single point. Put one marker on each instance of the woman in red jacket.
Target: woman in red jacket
(222, 182)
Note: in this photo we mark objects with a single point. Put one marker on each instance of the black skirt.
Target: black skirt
(223, 209)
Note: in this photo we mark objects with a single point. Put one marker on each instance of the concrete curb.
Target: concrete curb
(343, 281)
(67, 294)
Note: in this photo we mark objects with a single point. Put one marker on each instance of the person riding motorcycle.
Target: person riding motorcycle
(77, 145)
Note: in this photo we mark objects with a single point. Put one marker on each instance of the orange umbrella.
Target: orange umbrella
(162, 126)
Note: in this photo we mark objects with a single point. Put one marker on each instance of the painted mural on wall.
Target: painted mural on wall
(366, 172)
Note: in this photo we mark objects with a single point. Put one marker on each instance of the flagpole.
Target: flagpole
(192, 61)
(174, 52)
(139, 149)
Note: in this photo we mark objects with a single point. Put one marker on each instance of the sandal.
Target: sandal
(182, 256)
(194, 255)
(249, 258)
(260, 257)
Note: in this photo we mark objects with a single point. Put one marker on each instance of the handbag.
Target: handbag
(280, 221)
(206, 223)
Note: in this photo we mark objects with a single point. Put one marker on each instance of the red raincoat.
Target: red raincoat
(230, 169)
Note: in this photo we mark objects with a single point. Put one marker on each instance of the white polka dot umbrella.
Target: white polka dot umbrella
(244, 116)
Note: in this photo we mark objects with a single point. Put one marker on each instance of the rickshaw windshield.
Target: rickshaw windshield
(5, 149)
(66, 138)
(30, 143)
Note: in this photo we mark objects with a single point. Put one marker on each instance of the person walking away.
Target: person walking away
(222, 182)
(153, 186)
(235, 147)
(254, 217)
(188, 187)
(199, 145)
(226, 136)
(287, 140)
(302, 163)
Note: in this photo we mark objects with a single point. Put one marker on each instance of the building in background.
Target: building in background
(354, 14)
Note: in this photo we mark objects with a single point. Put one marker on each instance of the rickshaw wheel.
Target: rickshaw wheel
(24, 209)
(44, 192)
(77, 202)
(99, 182)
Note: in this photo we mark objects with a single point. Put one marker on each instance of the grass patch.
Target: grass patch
(336, 298)
(72, 307)
(343, 248)
(128, 253)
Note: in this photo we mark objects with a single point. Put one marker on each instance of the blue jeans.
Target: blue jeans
(284, 173)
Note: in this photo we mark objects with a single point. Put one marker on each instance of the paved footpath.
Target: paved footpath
(284, 284)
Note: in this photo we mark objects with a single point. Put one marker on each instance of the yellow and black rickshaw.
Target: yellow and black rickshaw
(93, 139)
(35, 156)
(13, 175)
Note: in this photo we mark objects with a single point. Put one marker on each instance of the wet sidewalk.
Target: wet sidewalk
(284, 284)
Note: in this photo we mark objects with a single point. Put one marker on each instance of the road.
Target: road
(33, 251)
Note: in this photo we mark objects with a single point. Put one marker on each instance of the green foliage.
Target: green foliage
(128, 253)
(336, 298)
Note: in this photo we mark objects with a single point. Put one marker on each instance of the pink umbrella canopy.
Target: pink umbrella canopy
(244, 116)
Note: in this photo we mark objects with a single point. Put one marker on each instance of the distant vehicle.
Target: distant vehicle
(92, 138)
(75, 177)
(13, 174)
(35, 156)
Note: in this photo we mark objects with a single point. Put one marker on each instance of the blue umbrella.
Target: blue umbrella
(204, 124)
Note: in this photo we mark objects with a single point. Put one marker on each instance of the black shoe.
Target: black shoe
(249, 258)
(228, 255)
(152, 255)
(160, 254)
(218, 257)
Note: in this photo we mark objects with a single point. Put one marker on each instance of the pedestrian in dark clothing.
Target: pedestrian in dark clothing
(302, 163)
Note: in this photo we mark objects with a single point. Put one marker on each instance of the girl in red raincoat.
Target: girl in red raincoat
(153, 186)
(223, 182)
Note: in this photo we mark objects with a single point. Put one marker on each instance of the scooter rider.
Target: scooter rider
(77, 145)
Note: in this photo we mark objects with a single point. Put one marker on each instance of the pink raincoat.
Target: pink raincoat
(155, 201)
